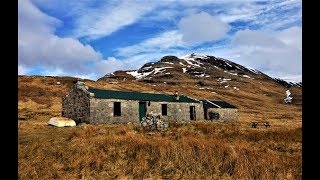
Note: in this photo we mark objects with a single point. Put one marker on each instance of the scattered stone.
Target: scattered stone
(150, 133)
(22, 118)
(82, 124)
(154, 122)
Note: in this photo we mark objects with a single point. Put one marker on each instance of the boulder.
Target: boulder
(61, 122)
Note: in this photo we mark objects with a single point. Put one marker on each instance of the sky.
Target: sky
(90, 38)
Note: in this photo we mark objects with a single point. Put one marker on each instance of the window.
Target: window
(164, 109)
(117, 109)
(192, 113)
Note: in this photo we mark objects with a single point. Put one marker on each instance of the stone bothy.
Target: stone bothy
(96, 106)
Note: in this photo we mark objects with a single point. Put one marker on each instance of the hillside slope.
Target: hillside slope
(257, 95)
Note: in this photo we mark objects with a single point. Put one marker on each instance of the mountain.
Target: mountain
(255, 94)
(174, 70)
(210, 77)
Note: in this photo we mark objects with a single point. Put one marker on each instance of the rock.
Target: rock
(152, 122)
(82, 124)
(22, 118)
(150, 133)
(61, 122)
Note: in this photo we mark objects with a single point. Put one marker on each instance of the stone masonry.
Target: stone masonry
(76, 105)
(225, 114)
(101, 111)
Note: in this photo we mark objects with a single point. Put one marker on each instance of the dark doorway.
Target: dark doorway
(142, 110)
(205, 110)
(117, 109)
(164, 108)
(192, 113)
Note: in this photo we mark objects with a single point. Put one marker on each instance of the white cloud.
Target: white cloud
(97, 70)
(39, 46)
(163, 41)
(102, 21)
(202, 27)
(111, 64)
(292, 37)
(22, 70)
(153, 49)
(256, 39)
(193, 29)
(271, 15)
(61, 72)
(278, 54)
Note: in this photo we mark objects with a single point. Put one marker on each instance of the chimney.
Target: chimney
(78, 84)
(176, 95)
(74, 84)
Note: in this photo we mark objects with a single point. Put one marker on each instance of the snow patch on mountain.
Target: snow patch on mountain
(253, 70)
(157, 70)
(201, 75)
(148, 67)
(288, 99)
(190, 59)
(235, 74)
(223, 80)
(191, 63)
(138, 75)
(184, 70)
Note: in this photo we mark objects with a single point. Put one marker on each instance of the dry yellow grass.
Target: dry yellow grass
(186, 151)
(191, 151)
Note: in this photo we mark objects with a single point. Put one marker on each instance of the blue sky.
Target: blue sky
(90, 38)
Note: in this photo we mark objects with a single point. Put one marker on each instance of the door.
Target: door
(192, 113)
(205, 110)
(142, 110)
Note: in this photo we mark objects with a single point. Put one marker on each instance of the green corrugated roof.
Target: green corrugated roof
(111, 94)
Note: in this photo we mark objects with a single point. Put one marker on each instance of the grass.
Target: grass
(186, 151)
(190, 151)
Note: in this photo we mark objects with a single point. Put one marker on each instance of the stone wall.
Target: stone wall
(176, 111)
(76, 106)
(225, 114)
(101, 111)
